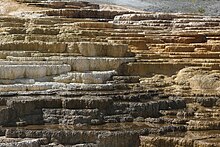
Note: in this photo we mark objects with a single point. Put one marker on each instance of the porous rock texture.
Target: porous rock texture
(74, 75)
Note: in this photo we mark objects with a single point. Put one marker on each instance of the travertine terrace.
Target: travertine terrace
(74, 75)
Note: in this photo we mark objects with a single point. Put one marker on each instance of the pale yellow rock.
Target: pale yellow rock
(179, 49)
(94, 63)
(97, 49)
(186, 73)
(34, 46)
(199, 78)
(103, 25)
(38, 86)
(12, 72)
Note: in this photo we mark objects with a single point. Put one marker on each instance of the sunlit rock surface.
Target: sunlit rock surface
(72, 74)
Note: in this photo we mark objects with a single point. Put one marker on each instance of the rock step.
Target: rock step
(28, 85)
(84, 102)
(62, 5)
(11, 72)
(89, 109)
(126, 34)
(33, 58)
(208, 142)
(71, 137)
(34, 46)
(208, 63)
(179, 49)
(147, 109)
(191, 56)
(124, 31)
(117, 95)
(125, 79)
(205, 19)
(85, 145)
(81, 64)
(173, 113)
(51, 21)
(197, 38)
(200, 125)
(72, 117)
(89, 87)
(93, 63)
(152, 16)
(94, 25)
(4, 54)
(68, 32)
(165, 141)
(5, 114)
(155, 24)
(43, 30)
(19, 31)
(11, 24)
(147, 28)
(38, 54)
(148, 69)
(36, 62)
(196, 55)
(102, 49)
(164, 120)
(118, 118)
(47, 38)
(191, 139)
(149, 39)
(9, 142)
(93, 77)
(194, 24)
(133, 44)
(74, 13)
(83, 110)
(135, 96)
(102, 103)
(212, 114)
(12, 19)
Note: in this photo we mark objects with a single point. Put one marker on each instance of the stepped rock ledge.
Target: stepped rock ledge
(78, 74)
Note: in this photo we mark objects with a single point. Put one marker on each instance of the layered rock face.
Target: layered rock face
(79, 76)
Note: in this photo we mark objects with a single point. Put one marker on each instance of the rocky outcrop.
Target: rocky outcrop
(102, 49)
(86, 77)
(79, 110)
(198, 78)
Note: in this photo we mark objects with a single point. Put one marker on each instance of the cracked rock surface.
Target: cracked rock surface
(73, 74)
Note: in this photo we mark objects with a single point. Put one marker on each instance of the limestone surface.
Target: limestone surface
(72, 74)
